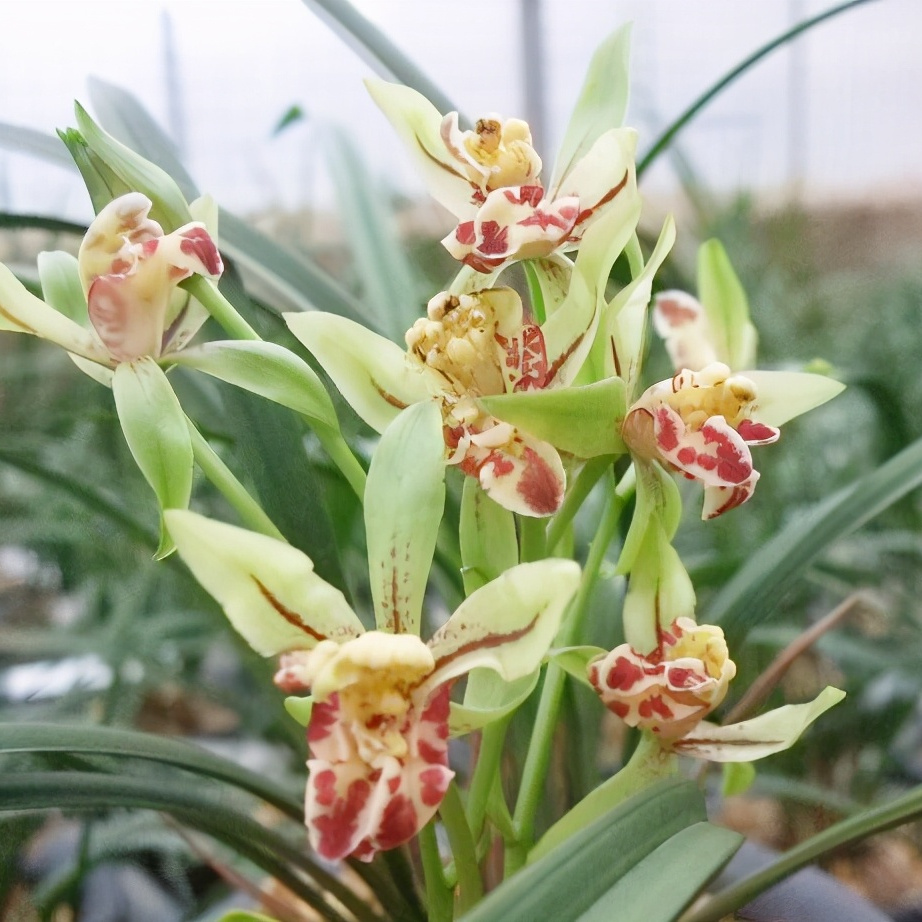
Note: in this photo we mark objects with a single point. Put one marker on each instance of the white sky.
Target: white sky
(849, 126)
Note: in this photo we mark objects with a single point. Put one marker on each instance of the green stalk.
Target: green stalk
(341, 454)
(534, 772)
(250, 512)
(219, 308)
(535, 295)
(532, 539)
(587, 478)
(667, 136)
(470, 886)
(902, 810)
(438, 896)
(492, 739)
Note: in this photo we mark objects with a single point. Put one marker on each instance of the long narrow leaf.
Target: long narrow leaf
(132, 744)
(39, 791)
(570, 880)
(667, 137)
(374, 47)
(754, 591)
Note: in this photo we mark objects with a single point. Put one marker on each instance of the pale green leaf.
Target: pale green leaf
(265, 369)
(268, 589)
(660, 886)
(404, 499)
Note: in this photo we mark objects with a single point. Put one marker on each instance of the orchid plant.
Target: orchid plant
(527, 403)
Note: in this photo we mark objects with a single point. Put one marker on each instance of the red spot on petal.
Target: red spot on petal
(495, 238)
(732, 465)
(434, 783)
(687, 455)
(539, 485)
(757, 432)
(464, 233)
(654, 706)
(325, 787)
(336, 828)
(675, 313)
(399, 823)
(197, 242)
(623, 675)
(683, 678)
(667, 437)
(619, 708)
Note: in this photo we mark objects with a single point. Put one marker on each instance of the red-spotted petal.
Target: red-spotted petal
(715, 454)
(523, 474)
(360, 803)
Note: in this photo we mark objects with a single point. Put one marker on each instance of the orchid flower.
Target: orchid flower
(670, 690)
(129, 270)
(471, 348)
(489, 177)
(379, 715)
(702, 424)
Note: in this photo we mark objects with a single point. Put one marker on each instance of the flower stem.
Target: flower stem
(232, 489)
(487, 769)
(219, 308)
(532, 539)
(341, 454)
(587, 478)
(539, 748)
(438, 895)
(470, 886)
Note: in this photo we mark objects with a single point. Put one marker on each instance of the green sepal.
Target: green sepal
(102, 183)
(724, 301)
(266, 369)
(602, 101)
(300, 708)
(737, 778)
(140, 175)
(488, 697)
(584, 421)
(404, 499)
(487, 537)
(155, 428)
(575, 660)
(61, 285)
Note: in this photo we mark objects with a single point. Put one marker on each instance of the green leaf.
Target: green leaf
(241, 915)
(602, 101)
(112, 741)
(155, 428)
(487, 537)
(572, 878)
(374, 47)
(266, 369)
(404, 499)
(666, 881)
(584, 421)
(737, 778)
(754, 591)
(35, 143)
(387, 277)
(666, 138)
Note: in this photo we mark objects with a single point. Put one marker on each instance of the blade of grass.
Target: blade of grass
(666, 138)
(376, 49)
